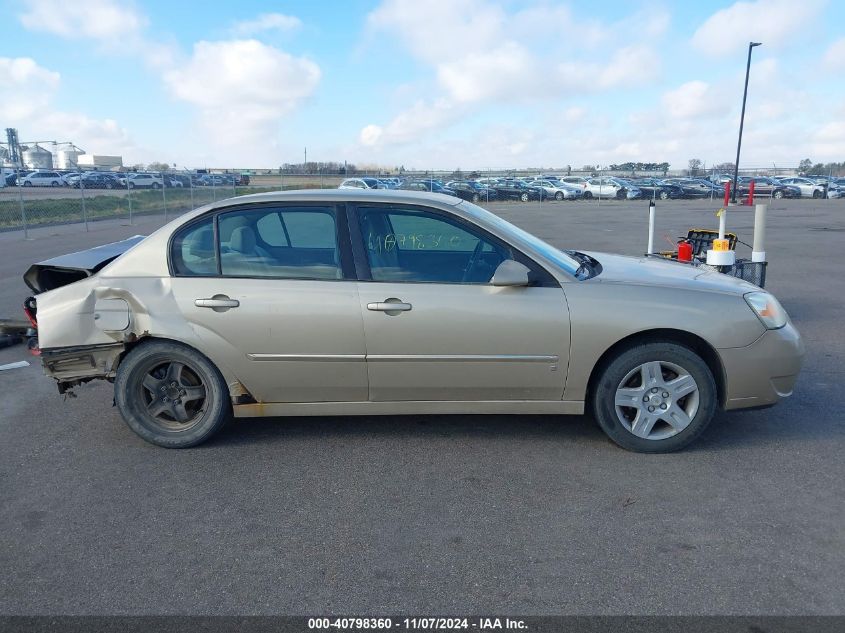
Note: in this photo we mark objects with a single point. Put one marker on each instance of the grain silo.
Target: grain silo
(36, 157)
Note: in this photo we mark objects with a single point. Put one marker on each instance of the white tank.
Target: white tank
(37, 157)
(68, 158)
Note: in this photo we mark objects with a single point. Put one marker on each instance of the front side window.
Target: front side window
(285, 242)
(410, 245)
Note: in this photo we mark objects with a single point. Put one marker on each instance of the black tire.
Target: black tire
(817, 193)
(109, 185)
(524, 197)
(152, 362)
(558, 195)
(664, 195)
(55, 183)
(27, 184)
(156, 185)
(613, 373)
(588, 195)
(778, 194)
(131, 185)
(476, 198)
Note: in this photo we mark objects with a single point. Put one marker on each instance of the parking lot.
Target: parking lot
(438, 514)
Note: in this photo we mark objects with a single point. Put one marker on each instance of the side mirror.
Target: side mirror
(510, 273)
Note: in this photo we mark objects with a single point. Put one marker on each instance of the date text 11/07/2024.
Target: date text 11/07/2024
(423, 623)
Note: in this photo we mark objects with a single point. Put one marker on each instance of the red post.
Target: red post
(727, 193)
(751, 194)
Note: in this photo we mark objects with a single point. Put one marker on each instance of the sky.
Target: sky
(434, 84)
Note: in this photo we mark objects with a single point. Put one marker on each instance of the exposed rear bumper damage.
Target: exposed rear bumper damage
(73, 366)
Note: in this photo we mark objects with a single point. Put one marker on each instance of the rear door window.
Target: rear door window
(284, 242)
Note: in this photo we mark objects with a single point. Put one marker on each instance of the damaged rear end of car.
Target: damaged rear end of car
(82, 325)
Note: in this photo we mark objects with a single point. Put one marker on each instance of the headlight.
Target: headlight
(767, 309)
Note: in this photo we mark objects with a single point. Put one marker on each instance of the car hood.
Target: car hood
(658, 271)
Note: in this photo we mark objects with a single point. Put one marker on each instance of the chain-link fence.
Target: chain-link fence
(44, 197)
(39, 198)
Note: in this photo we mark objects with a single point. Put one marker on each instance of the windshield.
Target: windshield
(558, 257)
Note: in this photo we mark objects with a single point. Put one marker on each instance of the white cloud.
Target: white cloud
(412, 123)
(243, 89)
(829, 141)
(116, 27)
(26, 87)
(834, 57)
(574, 114)
(267, 22)
(772, 22)
(102, 20)
(29, 92)
(694, 100)
(481, 55)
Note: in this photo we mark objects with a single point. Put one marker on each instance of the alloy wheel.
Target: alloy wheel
(173, 395)
(656, 400)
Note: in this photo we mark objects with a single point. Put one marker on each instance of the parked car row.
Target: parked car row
(121, 180)
(810, 186)
(549, 186)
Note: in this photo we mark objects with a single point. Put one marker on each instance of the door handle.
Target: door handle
(217, 302)
(389, 306)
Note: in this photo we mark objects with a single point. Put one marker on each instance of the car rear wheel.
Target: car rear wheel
(156, 185)
(817, 194)
(171, 395)
(655, 397)
(664, 195)
(524, 197)
(558, 195)
(27, 184)
(777, 194)
(476, 197)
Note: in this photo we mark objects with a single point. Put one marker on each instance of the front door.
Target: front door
(436, 329)
(274, 300)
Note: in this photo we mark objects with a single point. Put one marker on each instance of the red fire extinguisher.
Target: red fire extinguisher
(684, 251)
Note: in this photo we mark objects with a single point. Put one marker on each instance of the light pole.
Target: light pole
(742, 120)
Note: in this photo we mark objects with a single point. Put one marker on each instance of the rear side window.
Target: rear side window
(286, 242)
(192, 250)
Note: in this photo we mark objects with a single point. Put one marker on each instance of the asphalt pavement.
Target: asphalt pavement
(418, 514)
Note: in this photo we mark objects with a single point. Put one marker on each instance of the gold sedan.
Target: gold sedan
(385, 302)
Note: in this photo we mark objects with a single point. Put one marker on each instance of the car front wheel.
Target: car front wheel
(664, 195)
(476, 197)
(558, 195)
(156, 185)
(655, 397)
(171, 395)
(588, 195)
(777, 194)
(524, 197)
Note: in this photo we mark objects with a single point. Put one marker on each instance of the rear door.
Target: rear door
(270, 290)
(436, 329)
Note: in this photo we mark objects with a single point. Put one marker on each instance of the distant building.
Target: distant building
(97, 161)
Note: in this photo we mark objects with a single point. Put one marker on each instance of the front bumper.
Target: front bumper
(764, 372)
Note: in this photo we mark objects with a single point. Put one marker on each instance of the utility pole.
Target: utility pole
(751, 45)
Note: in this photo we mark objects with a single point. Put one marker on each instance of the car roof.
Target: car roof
(339, 195)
